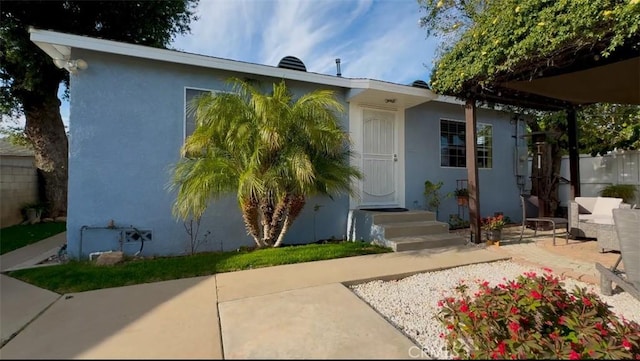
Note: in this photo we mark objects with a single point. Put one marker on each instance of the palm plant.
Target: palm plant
(272, 150)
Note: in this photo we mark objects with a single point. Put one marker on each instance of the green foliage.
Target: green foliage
(20, 235)
(461, 192)
(507, 35)
(77, 276)
(15, 136)
(625, 191)
(25, 70)
(432, 194)
(270, 149)
(605, 127)
(455, 222)
(534, 317)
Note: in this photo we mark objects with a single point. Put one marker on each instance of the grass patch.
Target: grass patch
(78, 276)
(20, 235)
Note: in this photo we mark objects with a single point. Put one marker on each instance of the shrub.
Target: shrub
(534, 317)
(625, 191)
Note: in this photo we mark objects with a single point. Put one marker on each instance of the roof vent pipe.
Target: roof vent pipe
(338, 67)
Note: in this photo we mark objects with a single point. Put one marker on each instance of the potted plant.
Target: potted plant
(462, 195)
(493, 228)
(32, 212)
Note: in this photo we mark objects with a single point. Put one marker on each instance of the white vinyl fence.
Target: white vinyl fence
(620, 167)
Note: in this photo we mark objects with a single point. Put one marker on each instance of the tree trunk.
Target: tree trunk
(45, 130)
(251, 218)
(297, 203)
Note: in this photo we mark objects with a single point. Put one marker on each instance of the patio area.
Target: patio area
(575, 259)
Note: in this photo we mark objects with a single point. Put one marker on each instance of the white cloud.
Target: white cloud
(377, 39)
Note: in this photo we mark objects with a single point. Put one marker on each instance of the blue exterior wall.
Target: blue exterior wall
(125, 131)
(127, 126)
(498, 186)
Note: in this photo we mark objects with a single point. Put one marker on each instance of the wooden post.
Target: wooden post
(574, 157)
(472, 169)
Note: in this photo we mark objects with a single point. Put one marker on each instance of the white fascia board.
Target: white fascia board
(45, 39)
(57, 44)
(393, 88)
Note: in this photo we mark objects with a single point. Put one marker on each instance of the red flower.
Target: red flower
(574, 355)
(547, 269)
(514, 310)
(502, 348)
(536, 295)
(514, 326)
(450, 327)
(626, 344)
(464, 308)
(484, 284)
(603, 331)
(561, 320)
(586, 301)
(440, 304)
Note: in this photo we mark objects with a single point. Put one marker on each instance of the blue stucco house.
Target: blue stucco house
(128, 121)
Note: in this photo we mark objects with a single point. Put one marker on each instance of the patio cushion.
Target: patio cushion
(585, 204)
(604, 206)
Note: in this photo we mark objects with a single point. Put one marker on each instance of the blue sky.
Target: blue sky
(378, 39)
(375, 39)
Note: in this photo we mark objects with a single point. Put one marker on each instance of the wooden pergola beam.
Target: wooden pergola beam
(574, 157)
(472, 169)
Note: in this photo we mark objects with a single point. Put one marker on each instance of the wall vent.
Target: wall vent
(137, 235)
(293, 63)
(420, 84)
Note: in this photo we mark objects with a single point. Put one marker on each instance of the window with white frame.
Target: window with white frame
(452, 144)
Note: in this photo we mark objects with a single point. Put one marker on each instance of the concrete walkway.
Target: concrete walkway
(292, 311)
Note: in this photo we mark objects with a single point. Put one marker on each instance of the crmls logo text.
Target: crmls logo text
(417, 352)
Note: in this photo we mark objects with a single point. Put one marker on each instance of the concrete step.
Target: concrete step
(404, 229)
(397, 217)
(413, 243)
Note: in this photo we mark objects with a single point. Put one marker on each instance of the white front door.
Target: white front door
(379, 158)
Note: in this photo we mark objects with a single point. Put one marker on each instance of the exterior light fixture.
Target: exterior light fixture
(72, 66)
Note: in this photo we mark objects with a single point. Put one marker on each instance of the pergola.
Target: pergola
(571, 80)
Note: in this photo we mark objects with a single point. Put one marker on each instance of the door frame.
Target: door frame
(356, 119)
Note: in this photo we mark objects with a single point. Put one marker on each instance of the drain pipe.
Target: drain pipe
(97, 254)
(85, 227)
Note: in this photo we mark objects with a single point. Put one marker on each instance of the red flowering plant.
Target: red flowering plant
(534, 317)
(493, 223)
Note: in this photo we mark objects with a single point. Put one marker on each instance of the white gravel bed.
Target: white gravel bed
(410, 304)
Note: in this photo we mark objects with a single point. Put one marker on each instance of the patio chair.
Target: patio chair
(627, 225)
(555, 222)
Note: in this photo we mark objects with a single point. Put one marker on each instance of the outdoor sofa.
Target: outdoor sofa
(592, 217)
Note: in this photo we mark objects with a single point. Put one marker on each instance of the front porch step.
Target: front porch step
(412, 243)
(398, 217)
(405, 229)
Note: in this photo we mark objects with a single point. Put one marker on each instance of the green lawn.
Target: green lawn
(85, 276)
(14, 237)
